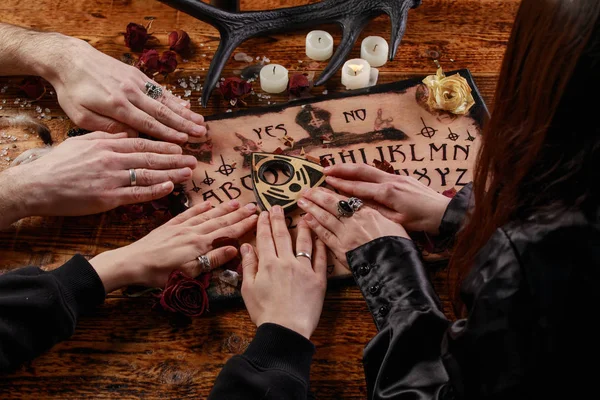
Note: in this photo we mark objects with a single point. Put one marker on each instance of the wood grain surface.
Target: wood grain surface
(127, 351)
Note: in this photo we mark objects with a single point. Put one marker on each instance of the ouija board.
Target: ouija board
(387, 122)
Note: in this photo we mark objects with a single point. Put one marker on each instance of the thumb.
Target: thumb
(249, 261)
(220, 256)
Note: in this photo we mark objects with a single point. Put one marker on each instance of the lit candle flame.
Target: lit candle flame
(356, 68)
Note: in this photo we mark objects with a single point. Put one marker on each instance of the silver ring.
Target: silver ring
(204, 264)
(303, 254)
(345, 210)
(153, 91)
(355, 203)
(132, 177)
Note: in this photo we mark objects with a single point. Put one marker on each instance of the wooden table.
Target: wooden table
(127, 351)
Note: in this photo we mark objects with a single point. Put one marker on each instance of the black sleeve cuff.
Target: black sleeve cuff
(454, 217)
(275, 346)
(391, 277)
(80, 285)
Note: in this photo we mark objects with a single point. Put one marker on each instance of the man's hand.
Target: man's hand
(90, 174)
(96, 91)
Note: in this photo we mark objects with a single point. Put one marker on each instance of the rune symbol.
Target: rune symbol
(208, 181)
(427, 131)
(452, 136)
(195, 189)
(225, 169)
(471, 138)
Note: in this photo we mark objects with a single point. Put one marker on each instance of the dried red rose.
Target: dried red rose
(325, 163)
(136, 36)
(236, 263)
(168, 62)
(149, 62)
(450, 193)
(299, 85)
(185, 295)
(33, 87)
(235, 88)
(384, 166)
(179, 41)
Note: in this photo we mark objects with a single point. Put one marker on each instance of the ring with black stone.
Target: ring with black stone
(344, 209)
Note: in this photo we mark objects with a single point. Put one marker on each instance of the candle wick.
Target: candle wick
(375, 48)
(319, 40)
(274, 70)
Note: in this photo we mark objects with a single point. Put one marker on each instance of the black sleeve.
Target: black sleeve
(275, 366)
(454, 218)
(404, 359)
(39, 309)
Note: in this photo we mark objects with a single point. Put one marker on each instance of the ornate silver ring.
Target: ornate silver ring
(204, 264)
(132, 177)
(303, 254)
(153, 91)
(355, 203)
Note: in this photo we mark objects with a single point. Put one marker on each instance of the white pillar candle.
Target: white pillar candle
(356, 74)
(319, 45)
(375, 50)
(274, 78)
(374, 77)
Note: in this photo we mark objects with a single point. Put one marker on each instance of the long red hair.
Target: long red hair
(540, 151)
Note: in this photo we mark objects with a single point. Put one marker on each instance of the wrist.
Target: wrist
(291, 325)
(54, 60)
(436, 217)
(114, 269)
(14, 203)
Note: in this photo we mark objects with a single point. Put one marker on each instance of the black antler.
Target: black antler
(351, 15)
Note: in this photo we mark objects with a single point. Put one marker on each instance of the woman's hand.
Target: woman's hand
(176, 245)
(279, 287)
(342, 235)
(90, 174)
(400, 198)
(101, 93)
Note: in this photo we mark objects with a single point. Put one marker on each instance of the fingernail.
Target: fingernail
(308, 217)
(330, 179)
(264, 214)
(251, 206)
(302, 203)
(182, 137)
(304, 191)
(245, 249)
(184, 103)
(185, 173)
(197, 118)
(166, 185)
(327, 169)
(174, 149)
(277, 210)
(231, 252)
(234, 203)
(199, 130)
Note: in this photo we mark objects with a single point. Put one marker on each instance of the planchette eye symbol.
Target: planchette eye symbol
(278, 180)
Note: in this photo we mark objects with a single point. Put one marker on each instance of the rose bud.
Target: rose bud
(168, 62)
(179, 41)
(299, 85)
(136, 36)
(148, 62)
(185, 295)
(235, 88)
(33, 87)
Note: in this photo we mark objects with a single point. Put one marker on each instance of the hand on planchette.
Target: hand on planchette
(344, 234)
(400, 198)
(176, 246)
(101, 93)
(278, 286)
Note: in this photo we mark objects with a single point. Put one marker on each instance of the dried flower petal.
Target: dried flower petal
(235, 88)
(136, 36)
(450, 193)
(325, 163)
(167, 62)
(449, 93)
(179, 41)
(149, 62)
(33, 87)
(185, 295)
(299, 85)
(384, 166)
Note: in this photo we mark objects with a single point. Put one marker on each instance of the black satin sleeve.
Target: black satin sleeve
(404, 359)
(454, 218)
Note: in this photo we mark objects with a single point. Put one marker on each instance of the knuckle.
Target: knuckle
(173, 162)
(327, 236)
(149, 123)
(140, 145)
(143, 176)
(127, 87)
(162, 112)
(150, 161)
(138, 193)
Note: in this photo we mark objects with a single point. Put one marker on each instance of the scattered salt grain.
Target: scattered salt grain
(325, 92)
(47, 110)
(187, 93)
